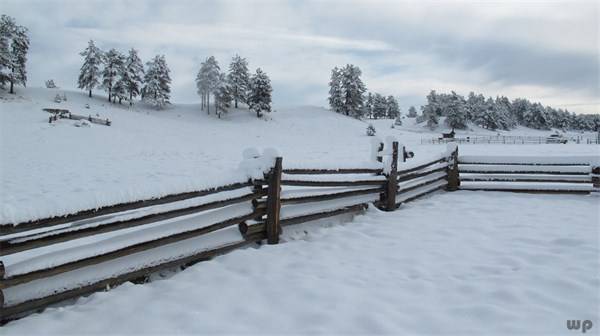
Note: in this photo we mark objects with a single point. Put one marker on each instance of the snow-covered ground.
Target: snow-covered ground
(453, 263)
(55, 169)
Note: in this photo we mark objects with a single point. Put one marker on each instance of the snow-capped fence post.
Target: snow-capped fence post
(453, 177)
(392, 179)
(273, 225)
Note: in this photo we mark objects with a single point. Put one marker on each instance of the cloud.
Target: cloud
(546, 51)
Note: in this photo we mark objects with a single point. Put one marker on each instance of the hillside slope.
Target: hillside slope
(56, 169)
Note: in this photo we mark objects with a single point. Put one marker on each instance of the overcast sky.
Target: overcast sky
(547, 51)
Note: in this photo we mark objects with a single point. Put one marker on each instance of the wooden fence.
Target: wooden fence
(529, 174)
(512, 140)
(50, 260)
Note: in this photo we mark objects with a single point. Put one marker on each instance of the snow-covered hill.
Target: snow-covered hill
(52, 169)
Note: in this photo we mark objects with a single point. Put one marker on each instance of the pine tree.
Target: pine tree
(536, 117)
(113, 64)
(131, 76)
(393, 110)
(336, 101)
(259, 94)
(353, 89)
(14, 45)
(208, 80)
(223, 96)
(433, 106)
(456, 115)
(475, 105)
(89, 77)
(412, 112)
(368, 108)
(6, 33)
(379, 106)
(157, 82)
(431, 118)
(238, 78)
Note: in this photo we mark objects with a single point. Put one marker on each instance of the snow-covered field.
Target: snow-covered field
(452, 263)
(55, 169)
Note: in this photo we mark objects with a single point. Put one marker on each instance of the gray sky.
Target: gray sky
(547, 51)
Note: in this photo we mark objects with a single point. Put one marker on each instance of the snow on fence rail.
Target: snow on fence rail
(50, 260)
(571, 174)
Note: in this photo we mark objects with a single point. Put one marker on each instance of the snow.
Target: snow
(517, 177)
(453, 263)
(528, 159)
(552, 186)
(524, 168)
(57, 169)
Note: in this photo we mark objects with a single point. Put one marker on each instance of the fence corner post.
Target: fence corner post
(392, 179)
(453, 176)
(273, 225)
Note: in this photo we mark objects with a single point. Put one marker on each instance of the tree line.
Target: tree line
(123, 77)
(501, 113)
(235, 86)
(347, 96)
(14, 45)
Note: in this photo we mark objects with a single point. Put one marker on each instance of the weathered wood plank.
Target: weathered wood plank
(125, 251)
(320, 215)
(7, 313)
(327, 197)
(19, 244)
(298, 171)
(110, 209)
(419, 167)
(332, 183)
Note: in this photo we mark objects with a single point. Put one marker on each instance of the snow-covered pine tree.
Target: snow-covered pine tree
(393, 110)
(6, 24)
(536, 117)
(209, 74)
(259, 93)
(488, 117)
(456, 115)
(14, 44)
(238, 78)
(336, 101)
(202, 84)
(89, 76)
(113, 64)
(353, 90)
(503, 109)
(131, 77)
(368, 108)
(412, 112)
(223, 96)
(379, 106)
(433, 106)
(432, 119)
(157, 82)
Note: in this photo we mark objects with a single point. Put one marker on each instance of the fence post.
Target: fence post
(392, 179)
(274, 203)
(453, 178)
(596, 178)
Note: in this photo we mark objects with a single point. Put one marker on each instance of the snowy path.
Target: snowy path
(453, 263)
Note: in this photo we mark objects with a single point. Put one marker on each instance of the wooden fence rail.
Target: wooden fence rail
(282, 197)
